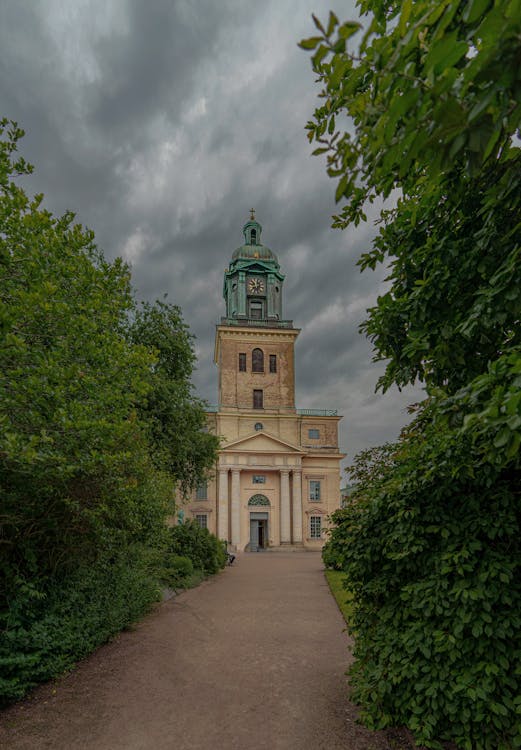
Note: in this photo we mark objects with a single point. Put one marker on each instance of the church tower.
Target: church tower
(254, 345)
(278, 472)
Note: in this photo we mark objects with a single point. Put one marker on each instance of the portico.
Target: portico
(244, 476)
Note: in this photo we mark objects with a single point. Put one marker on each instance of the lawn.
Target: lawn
(335, 579)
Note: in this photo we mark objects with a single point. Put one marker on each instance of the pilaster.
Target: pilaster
(236, 507)
(297, 506)
(285, 511)
(223, 504)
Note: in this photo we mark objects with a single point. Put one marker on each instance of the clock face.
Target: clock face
(256, 286)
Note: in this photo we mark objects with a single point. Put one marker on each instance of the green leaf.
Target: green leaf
(347, 30)
(332, 23)
(475, 9)
(310, 43)
(445, 53)
(404, 16)
(341, 188)
(318, 24)
(502, 438)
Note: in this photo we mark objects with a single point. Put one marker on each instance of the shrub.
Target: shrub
(333, 548)
(176, 570)
(45, 633)
(206, 552)
(432, 554)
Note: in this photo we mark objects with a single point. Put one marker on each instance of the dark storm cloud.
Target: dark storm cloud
(160, 124)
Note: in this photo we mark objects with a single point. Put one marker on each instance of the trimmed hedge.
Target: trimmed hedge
(44, 633)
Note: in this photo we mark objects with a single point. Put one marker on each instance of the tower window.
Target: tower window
(257, 361)
(242, 362)
(273, 363)
(258, 399)
(255, 309)
(253, 236)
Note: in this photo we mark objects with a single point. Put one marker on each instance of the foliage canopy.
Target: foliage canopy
(430, 542)
(175, 417)
(438, 127)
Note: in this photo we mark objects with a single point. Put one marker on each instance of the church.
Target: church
(277, 477)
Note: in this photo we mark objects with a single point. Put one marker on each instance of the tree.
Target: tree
(431, 542)
(73, 460)
(175, 417)
(98, 425)
(433, 95)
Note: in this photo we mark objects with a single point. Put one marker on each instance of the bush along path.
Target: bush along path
(78, 616)
(192, 554)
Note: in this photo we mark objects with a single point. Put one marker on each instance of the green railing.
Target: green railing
(318, 412)
(212, 409)
(260, 323)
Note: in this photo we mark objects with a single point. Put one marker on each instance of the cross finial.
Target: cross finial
(252, 217)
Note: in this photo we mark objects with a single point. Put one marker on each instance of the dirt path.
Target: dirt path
(253, 658)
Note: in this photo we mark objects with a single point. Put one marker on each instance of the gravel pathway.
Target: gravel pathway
(253, 658)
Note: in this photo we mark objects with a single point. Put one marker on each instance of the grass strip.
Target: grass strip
(343, 597)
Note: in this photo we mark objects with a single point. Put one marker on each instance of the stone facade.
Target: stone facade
(235, 386)
(277, 477)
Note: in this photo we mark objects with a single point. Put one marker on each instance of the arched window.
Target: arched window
(253, 236)
(257, 360)
(258, 500)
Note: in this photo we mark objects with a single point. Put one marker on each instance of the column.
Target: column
(223, 504)
(285, 517)
(297, 506)
(241, 294)
(236, 507)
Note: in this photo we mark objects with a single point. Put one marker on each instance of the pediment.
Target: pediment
(258, 265)
(262, 442)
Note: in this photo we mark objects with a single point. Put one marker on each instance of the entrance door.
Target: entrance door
(258, 531)
(262, 530)
(254, 535)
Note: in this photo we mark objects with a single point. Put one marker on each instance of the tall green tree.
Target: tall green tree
(98, 426)
(430, 545)
(176, 420)
(71, 448)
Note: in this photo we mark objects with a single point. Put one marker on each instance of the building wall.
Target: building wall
(236, 387)
(257, 454)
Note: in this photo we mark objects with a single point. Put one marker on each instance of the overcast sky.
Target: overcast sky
(159, 123)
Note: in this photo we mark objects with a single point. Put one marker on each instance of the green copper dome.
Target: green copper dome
(253, 283)
(253, 249)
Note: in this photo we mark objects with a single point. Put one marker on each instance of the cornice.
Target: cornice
(257, 333)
